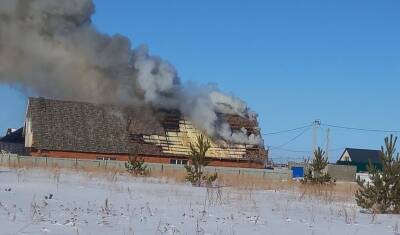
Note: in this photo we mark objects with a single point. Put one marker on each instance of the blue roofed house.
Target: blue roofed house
(361, 158)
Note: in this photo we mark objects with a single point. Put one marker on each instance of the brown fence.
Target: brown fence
(23, 161)
(342, 172)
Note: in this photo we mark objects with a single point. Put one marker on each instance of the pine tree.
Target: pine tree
(198, 160)
(135, 165)
(315, 172)
(382, 193)
(319, 162)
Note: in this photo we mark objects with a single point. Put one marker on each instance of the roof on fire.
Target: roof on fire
(87, 127)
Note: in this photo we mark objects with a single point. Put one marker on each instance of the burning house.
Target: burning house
(82, 130)
(119, 95)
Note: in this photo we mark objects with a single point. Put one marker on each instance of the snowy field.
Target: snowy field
(68, 202)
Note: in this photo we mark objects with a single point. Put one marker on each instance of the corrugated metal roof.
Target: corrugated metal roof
(14, 137)
(364, 155)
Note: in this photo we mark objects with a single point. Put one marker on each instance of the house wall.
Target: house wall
(148, 158)
(361, 167)
(14, 148)
(345, 157)
(341, 172)
(28, 133)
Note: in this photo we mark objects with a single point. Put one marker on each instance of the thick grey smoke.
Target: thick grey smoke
(51, 48)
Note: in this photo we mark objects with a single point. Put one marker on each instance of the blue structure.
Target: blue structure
(297, 171)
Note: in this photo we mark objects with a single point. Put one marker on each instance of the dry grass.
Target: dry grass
(341, 191)
(177, 176)
(254, 182)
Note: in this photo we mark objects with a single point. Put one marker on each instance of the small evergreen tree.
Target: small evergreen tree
(197, 161)
(315, 171)
(135, 165)
(382, 193)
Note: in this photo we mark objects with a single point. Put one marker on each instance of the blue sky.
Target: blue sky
(291, 61)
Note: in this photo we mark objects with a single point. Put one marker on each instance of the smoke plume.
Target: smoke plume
(51, 48)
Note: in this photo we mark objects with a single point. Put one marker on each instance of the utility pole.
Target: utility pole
(316, 125)
(327, 143)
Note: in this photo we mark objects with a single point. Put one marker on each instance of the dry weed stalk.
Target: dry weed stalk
(349, 214)
(396, 229)
(214, 195)
(56, 176)
(37, 211)
(329, 193)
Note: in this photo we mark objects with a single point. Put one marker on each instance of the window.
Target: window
(106, 158)
(178, 161)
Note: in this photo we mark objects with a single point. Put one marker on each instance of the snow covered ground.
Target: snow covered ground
(68, 202)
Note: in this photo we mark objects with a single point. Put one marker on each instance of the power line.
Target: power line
(360, 129)
(274, 156)
(285, 159)
(302, 151)
(289, 130)
(293, 139)
(305, 128)
(337, 149)
(289, 150)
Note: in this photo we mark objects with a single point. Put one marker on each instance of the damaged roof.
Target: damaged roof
(87, 127)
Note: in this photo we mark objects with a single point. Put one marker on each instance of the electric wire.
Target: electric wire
(306, 128)
(289, 130)
(293, 139)
(360, 129)
(302, 151)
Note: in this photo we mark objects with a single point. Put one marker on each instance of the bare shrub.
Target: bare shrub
(349, 214)
(113, 175)
(37, 211)
(396, 228)
(56, 176)
(214, 195)
(105, 211)
(374, 215)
